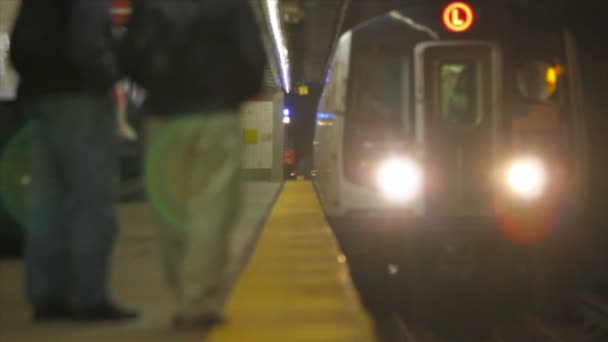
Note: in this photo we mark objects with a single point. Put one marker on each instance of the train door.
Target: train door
(581, 156)
(458, 116)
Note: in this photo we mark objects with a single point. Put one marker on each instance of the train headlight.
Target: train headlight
(399, 179)
(527, 178)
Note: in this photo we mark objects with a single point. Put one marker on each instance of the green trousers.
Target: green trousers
(193, 182)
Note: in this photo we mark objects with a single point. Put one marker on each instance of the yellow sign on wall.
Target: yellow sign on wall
(251, 136)
(303, 90)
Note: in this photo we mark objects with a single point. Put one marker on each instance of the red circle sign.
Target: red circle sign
(120, 11)
(458, 17)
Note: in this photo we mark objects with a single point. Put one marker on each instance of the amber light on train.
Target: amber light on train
(458, 16)
(552, 76)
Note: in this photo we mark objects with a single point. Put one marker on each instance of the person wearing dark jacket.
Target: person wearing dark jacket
(63, 53)
(194, 160)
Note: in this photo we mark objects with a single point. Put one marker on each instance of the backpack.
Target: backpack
(189, 48)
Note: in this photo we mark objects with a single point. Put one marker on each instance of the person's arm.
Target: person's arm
(90, 43)
(125, 130)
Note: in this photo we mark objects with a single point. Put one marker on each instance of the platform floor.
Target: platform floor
(295, 287)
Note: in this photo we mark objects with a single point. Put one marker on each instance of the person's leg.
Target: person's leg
(213, 207)
(160, 155)
(85, 137)
(47, 249)
(172, 256)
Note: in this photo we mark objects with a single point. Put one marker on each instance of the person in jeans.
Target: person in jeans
(63, 53)
(194, 160)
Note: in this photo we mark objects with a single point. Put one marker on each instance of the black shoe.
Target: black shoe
(51, 312)
(104, 312)
(204, 322)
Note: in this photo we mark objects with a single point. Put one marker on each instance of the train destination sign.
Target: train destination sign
(458, 16)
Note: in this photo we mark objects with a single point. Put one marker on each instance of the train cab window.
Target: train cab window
(459, 92)
(380, 91)
(540, 100)
(538, 81)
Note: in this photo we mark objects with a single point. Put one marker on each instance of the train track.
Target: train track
(595, 314)
(395, 329)
(592, 327)
(542, 330)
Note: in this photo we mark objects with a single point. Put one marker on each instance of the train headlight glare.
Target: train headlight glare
(399, 179)
(527, 177)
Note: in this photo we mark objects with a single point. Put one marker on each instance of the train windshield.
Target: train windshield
(380, 87)
(459, 92)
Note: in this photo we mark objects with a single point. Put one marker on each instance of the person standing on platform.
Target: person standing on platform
(67, 65)
(198, 61)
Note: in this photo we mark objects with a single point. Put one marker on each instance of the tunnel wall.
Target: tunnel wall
(262, 128)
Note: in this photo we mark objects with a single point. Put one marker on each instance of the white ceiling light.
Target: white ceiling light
(274, 16)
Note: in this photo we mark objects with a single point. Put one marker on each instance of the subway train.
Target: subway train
(451, 143)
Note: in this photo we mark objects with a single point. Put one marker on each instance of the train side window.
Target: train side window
(459, 89)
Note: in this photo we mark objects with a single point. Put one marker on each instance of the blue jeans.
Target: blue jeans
(72, 222)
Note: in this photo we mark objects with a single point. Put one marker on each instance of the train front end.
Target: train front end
(450, 139)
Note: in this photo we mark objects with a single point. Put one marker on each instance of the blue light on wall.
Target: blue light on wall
(286, 116)
(325, 116)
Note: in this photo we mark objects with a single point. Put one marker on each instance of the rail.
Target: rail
(591, 327)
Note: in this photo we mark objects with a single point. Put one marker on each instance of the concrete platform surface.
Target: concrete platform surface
(137, 279)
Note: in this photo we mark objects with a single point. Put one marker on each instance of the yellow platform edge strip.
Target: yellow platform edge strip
(297, 286)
